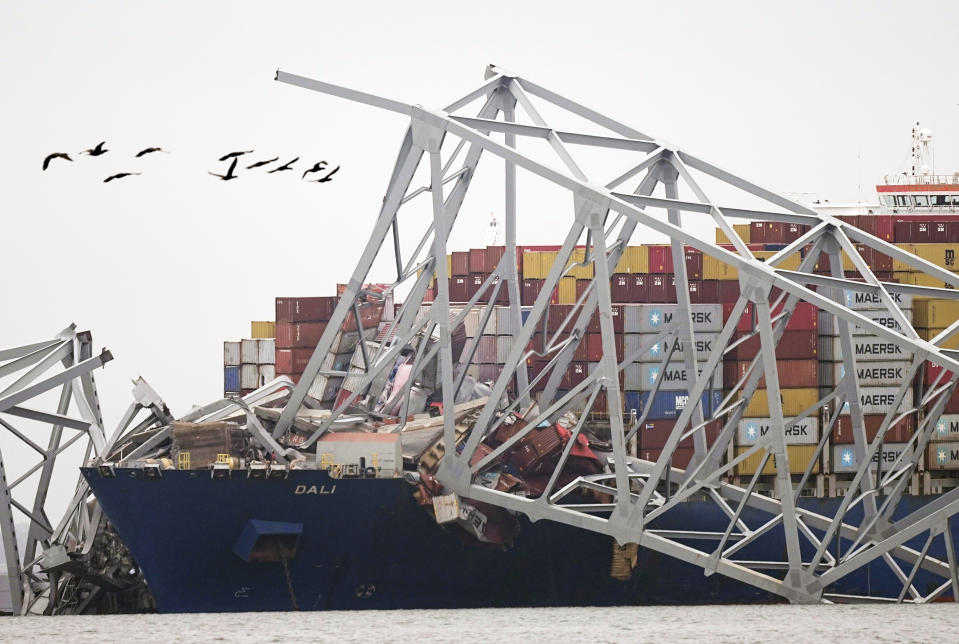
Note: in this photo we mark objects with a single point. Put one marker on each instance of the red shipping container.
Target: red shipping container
(459, 288)
(460, 264)
(370, 316)
(295, 377)
(757, 232)
(594, 347)
(900, 433)
(284, 361)
(616, 314)
(557, 315)
(804, 317)
(531, 289)
(474, 284)
(728, 290)
(680, 460)
(575, 374)
(662, 288)
(477, 261)
(639, 288)
(653, 434)
(793, 374)
(885, 228)
(619, 287)
(694, 263)
(493, 256)
(303, 335)
(775, 233)
(660, 258)
(695, 292)
(932, 371)
(305, 309)
(794, 345)
(793, 232)
(581, 286)
(300, 359)
(867, 223)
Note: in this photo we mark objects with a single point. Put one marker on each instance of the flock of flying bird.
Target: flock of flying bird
(318, 167)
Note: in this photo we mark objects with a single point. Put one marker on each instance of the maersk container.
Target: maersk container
(706, 343)
(829, 324)
(231, 355)
(675, 377)
(800, 432)
(654, 317)
(670, 404)
(878, 400)
(943, 456)
(798, 455)
(633, 376)
(869, 374)
(844, 457)
(248, 351)
(864, 349)
(231, 379)
(249, 376)
(267, 373)
(947, 428)
(266, 351)
(859, 301)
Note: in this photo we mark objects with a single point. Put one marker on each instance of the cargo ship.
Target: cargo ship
(215, 524)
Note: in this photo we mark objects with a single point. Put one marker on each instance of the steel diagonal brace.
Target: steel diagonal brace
(67, 375)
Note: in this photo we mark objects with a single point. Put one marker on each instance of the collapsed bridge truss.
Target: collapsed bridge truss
(608, 212)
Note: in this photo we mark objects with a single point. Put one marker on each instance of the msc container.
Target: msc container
(844, 457)
(901, 432)
(248, 352)
(800, 432)
(652, 317)
(942, 255)
(266, 351)
(670, 404)
(267, 373)
(794, 402)
(675, 377)
(305, 309)
(793, 374)
(653, 434)
(943, 456)
(947, 428)
(879, 400)
(935, 313)
(231, 355)
(798, 455)
(865, 348)
(249, 376)
(265, 329)
(829, 324)
(705, 344)
(859, 301)
(869, 374)
(231, 379)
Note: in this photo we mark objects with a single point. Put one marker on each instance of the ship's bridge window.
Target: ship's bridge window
(942, 200)
(904, 201)
(888, 200)
(922, 200)
(955, 200)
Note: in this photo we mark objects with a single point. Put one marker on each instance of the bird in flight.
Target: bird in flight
(55, 155)
(119, 175)
(327, 177)
(150, 150)
(319, 165)
(97, 151)
(232, 155)
(286, 166)
(259, 163)
(229, 173)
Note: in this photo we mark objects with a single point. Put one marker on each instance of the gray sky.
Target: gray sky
(807, 97)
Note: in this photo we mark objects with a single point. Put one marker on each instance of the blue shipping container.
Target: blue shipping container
(668, 405)
(231, 379)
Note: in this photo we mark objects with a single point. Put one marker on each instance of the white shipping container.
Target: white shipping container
(674, 377)
(800, 432)
(325, 388)
(446, 508)
(267, 373)
(947, 428)
(383, 452)
(503, 345)
(633, 376)
(266, 351)
(844, 456)
(859, 301)
(943, 456)
(471, 323)
(705, 317)
(631, 314)
(829, 325)
(249, 376)
(705, 344)
(865, 348)
(248, 351)
(878, 400)
(871, 374)
(231, 354)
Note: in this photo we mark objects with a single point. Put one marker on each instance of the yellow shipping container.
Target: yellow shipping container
(638, 259)
(798, 455)
(742, 230)
(566, 292)
(795, 401)
(899, 265)
(264, 329)
(935, 313)
(942, 255)
(531, 265)
(929, 334)
(580, 272)
(715, 269)
(546, 259)
(449, 267)
(919, 279)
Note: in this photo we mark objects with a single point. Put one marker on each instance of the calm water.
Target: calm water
(787, 624)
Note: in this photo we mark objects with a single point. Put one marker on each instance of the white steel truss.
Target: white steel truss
(609, 214)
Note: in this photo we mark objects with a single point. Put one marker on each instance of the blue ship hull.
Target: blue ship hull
(366, 544)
